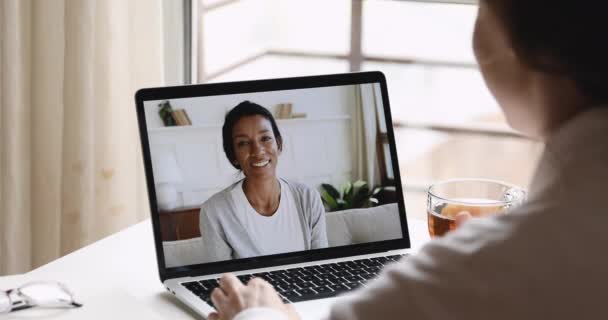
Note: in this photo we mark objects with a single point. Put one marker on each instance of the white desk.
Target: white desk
(123, 265)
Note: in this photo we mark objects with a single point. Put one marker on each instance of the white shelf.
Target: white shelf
(219, 126)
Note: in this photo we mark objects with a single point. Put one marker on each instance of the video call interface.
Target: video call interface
(256, 174)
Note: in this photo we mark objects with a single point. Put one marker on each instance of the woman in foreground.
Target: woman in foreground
(546, 64)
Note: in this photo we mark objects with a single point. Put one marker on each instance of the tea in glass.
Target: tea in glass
(474, 198)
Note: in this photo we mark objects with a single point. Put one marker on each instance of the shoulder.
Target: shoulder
(307, 197)
(218, 202)
(300, 190)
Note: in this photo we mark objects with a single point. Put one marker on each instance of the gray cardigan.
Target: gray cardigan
(224, 237)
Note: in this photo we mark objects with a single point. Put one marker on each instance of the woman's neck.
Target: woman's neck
(263, 195)
(557, 100)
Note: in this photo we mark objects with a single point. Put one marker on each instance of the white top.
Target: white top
(284, 224)
(544, 260)
(225, 231)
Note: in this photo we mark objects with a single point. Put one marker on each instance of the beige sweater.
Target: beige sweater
(545, 260)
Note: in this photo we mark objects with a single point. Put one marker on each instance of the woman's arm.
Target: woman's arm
(319, 232)
(472, 273)
(215, 247)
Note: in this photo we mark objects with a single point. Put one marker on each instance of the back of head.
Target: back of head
(560, 36)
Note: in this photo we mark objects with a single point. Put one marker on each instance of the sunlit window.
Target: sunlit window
(447, 124)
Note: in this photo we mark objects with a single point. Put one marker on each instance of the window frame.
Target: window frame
(194, 15)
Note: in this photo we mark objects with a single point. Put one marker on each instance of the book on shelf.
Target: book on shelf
(176, 117)
(284, 111)
(278, 111)
(187, 117)
(181, 117)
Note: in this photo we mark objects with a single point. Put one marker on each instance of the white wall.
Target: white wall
(316, 149)
(315, 102)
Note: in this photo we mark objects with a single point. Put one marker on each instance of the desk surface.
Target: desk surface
(125, 263)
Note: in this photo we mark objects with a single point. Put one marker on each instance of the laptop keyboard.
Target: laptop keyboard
(307, 283)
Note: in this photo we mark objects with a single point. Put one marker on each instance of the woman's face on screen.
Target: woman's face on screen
(255, 147)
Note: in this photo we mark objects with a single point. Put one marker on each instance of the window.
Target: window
(446, 122)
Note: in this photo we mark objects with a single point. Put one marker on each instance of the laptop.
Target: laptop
(320, 153)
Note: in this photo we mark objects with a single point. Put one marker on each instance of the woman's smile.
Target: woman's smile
(261, 164)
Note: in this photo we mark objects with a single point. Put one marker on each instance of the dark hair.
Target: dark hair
(560, 36)
(245, 109)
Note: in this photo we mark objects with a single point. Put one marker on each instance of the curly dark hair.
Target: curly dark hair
(562, 37)
(245, 109)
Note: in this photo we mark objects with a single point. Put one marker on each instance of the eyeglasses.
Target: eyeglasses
(47, 294)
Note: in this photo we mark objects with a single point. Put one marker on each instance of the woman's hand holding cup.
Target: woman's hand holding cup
(451, 203)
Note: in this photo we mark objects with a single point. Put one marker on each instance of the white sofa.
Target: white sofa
(363, 225)
(343, 228)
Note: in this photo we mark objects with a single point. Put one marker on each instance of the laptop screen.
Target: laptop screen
(269, 173)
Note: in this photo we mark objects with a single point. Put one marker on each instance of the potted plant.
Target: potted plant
(350, 196)
(165, 113)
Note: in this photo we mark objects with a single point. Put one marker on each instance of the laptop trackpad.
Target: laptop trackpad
(315, 309)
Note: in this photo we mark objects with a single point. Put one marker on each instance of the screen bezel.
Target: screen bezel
(226, 88)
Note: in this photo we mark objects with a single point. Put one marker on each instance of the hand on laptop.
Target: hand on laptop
(233, 297)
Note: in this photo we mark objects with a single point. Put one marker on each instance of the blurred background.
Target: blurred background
(70, 167)
(447, 123)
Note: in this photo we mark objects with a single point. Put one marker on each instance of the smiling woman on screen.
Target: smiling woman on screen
(261, 214)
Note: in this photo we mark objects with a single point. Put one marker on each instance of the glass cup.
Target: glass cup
(451, 200)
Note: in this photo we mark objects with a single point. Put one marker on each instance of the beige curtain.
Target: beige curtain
(365, 133)
(70, 160)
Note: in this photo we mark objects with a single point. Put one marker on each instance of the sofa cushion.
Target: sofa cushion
(363, 225)
(343, 228)
(183, 252)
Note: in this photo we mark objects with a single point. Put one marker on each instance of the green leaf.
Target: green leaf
(329, 200)
(347, 188)
(358, 194)
(349, 196)
(360, 197)
(377, 190)
(333, 192)
(359, 184)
